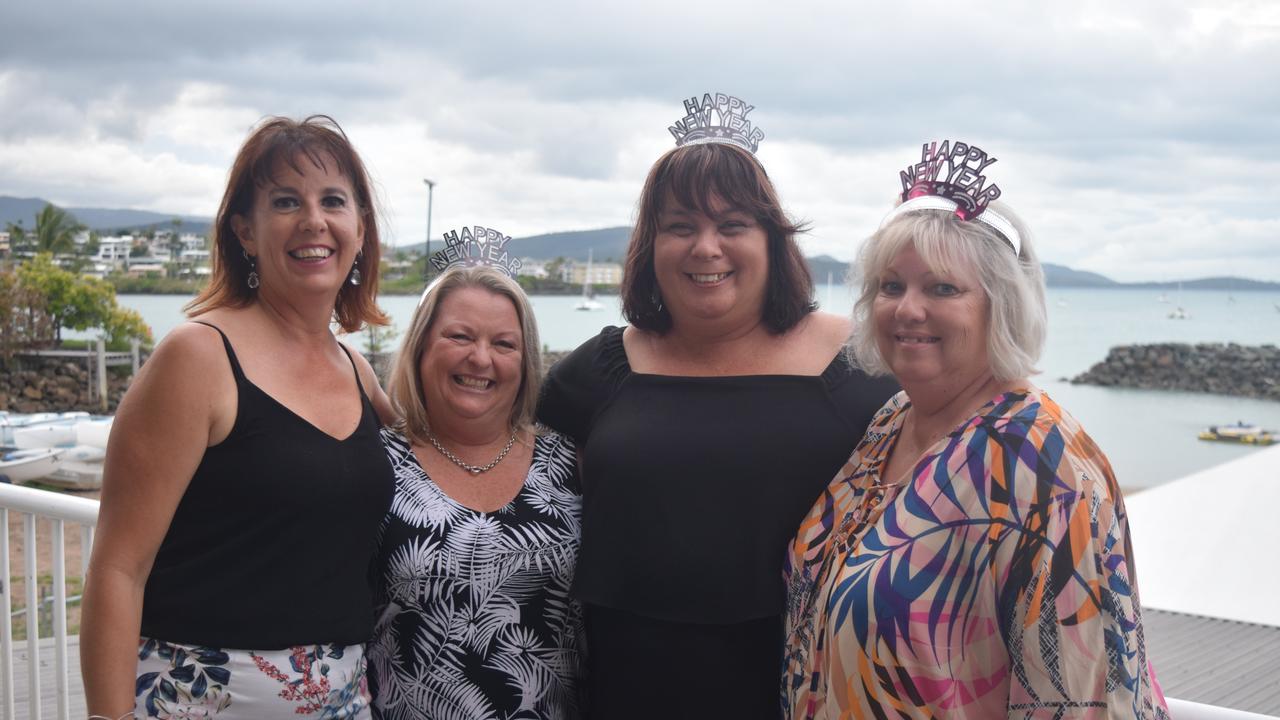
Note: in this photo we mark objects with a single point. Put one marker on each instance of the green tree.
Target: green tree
(17, 235)
(56, 230)
(80, 303)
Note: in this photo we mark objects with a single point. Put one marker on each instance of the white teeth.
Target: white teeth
(708, 278)
(916, 340)
(477, 383)
(311, 252)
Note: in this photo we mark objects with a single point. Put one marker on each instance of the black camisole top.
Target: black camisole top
(271, 545)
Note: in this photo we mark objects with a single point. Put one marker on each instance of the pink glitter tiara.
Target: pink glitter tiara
(950, 177)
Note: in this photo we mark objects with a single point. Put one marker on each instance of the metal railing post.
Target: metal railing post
(33, 617)
(59, 612)
(6, 622)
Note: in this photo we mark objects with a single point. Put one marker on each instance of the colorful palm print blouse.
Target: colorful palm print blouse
(997, 582)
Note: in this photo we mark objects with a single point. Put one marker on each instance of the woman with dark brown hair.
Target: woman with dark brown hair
(705, 428)
(245, 479)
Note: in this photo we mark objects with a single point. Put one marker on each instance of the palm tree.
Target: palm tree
(56, 230)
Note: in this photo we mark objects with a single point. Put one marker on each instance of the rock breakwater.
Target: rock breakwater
(33, 385)
(1221, 369)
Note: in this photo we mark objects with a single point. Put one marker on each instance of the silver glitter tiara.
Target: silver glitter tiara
(476, 245)
(717, 118)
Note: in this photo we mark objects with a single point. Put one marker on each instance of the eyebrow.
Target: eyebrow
(332, 190)
(686, 212)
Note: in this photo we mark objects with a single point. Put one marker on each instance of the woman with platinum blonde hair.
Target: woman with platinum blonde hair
(972, 558)
(476, 556)
(1014, 286)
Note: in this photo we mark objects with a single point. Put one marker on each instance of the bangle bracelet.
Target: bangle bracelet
(104, 717)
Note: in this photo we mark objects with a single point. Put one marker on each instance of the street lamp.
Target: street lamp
(426, 267)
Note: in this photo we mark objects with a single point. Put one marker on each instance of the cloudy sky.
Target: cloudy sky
(1140, 141)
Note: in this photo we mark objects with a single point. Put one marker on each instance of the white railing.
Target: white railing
(58, 509)
(61, 509)
(1186, 710)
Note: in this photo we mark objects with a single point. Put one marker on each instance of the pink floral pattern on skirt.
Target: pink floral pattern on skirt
(177, 681)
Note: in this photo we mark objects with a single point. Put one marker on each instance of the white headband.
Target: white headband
(988, 217)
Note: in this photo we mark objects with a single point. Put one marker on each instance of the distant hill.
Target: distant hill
(824, 266)
(606, 245)
(14, 209)
(1060, 276)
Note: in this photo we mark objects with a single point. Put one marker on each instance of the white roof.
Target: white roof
(1206, 544)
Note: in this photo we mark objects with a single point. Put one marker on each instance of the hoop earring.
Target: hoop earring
(252, 281)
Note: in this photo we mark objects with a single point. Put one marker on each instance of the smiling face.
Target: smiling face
(931, 327)
(711, 267)
(303, 230)
(471, 363)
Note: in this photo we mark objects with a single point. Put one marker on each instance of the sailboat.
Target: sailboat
(1178, 313)
(588, 301)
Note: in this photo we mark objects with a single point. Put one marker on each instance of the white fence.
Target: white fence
(61, 509)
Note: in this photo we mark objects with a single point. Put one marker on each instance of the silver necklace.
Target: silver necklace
(473, 469)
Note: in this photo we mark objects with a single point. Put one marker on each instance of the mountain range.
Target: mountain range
(606, 245)
(104, 220)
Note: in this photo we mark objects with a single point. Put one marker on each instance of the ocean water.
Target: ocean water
(1149, 436)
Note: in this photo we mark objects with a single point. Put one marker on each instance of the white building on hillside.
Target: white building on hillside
(114, 250)
(606, 273)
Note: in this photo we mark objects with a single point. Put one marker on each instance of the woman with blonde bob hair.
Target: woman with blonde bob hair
(972, 558)
(477, 554)
(405, 383)
(1014, 286)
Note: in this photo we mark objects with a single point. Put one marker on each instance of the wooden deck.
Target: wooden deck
(48, 688)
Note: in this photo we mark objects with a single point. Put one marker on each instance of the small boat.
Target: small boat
(75, 475)
(12, 422)
(588, 301)
(93, 432)
(21, 466)
(45, 435)
(1179, 314)
(83, 453)
(1239, 432)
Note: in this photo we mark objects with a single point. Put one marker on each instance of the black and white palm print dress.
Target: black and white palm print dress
(475, 619)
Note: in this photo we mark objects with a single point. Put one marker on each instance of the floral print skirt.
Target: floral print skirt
(192, 681)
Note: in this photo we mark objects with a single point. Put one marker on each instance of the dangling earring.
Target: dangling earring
(355, 269)
(657, 301)
(253, 282)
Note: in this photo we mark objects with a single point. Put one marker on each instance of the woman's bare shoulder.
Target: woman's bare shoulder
(831, 329)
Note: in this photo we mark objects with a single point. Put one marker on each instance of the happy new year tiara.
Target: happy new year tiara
(477, 245)
(962, 189)
(717, 118)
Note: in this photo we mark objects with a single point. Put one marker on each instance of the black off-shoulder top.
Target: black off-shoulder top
(693, 486)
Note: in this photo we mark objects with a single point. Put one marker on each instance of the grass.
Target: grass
(44, 583)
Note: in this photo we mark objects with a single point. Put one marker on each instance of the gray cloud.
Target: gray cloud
(1138, 115)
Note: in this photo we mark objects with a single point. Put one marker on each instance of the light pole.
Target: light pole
(426, 267)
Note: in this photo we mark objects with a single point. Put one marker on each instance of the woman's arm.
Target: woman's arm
(182, 401)
(1072, 620)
